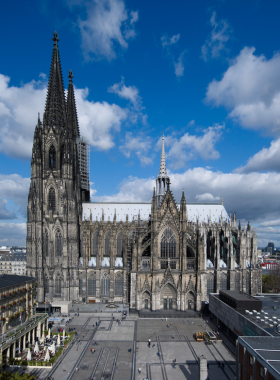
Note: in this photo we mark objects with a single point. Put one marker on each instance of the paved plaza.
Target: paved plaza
(122, 349)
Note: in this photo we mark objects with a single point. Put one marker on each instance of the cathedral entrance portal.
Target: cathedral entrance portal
(168, 297)
(146, 300)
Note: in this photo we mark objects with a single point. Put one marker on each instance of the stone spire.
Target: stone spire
(162, 168)
(55, 115)
(71, 108)
(162, 181)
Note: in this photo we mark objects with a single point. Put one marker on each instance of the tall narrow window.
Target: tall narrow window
(52, 158)
(57, 287)
(94, 243)
(52, 199)
(47, 287)
(46, 244)
(119, 284)
(120, 244)
(62, 154)
(58, 244)
(107, 243)
(92, 284)
(80, 286)
(210, 285)
(223, 283)
(168, 244)
(105, 284)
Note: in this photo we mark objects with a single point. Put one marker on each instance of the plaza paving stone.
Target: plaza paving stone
(123, 349)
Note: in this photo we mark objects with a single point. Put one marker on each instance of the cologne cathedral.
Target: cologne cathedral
(156, 255)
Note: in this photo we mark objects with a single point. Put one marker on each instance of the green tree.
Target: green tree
(16, 376)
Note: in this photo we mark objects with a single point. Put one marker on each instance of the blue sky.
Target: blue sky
(206, 73)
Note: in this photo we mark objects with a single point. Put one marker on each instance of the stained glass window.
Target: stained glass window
(119, 285)
(105, 284)
(58, 244)
(92, 284)
(120, 244)
(52, 158)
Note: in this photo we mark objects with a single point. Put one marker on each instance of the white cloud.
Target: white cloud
(13, 234)
(206, 197)
(250, 89)
(98, 121)
(166, 41)
(13, 196)
(130, 93)
(106, 28)
(179, 66)
(216, 42)
(190, 146)
(268, 159)
(139, 145)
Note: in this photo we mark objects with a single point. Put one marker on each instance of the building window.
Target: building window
(105, 284)
(58, 244)
(80, 287)
(92, 284)
(223, 283)
(52, 158)
(164, 264)
(261, 372)
(58, 286)
(120, 244)
(46, 245)
(168, 244)
(94, 243)
(52, 199)
(251, 360)
(119, 285)
(251, 377)
(210, 285)
(47, 287)
(107, 243)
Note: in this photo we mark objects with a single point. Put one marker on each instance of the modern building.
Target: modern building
(257, 358)
(157, 255)
(18, 299)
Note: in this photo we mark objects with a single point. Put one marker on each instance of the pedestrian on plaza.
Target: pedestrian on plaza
(139, 370)
(149, 343)
(96, 324)
(154, 346)
(129, 350)
(77, 369)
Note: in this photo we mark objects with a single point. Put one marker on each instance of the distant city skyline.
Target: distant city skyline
(207, 74)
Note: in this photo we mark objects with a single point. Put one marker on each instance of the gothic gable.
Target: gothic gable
(168, 278)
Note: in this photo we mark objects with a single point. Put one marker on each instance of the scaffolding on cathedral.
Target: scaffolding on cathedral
(83, 150)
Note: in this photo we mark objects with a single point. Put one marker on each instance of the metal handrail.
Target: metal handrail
(19, 333)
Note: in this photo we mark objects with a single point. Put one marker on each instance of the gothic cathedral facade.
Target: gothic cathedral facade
(156, 255)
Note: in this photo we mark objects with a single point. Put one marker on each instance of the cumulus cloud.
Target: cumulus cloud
(130, 93)
(250, 89)
(13, 190)
(216, 41)
(179, 66)
(108, 27)
(188, 147)
(140, 146)
(206, 197)
(267, 159)
(13, 234)
(167, 44)
(99, 121)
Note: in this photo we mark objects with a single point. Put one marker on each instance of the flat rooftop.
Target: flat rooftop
(267, 350)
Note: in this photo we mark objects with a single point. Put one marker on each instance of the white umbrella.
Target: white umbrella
(58, 340)
(36, 349)
(47, 357)
(49, 333)
(53, 348)
(29, 357)
(63, 334)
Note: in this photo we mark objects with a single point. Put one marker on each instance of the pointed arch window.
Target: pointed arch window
(52, 199)
(94, 243)
(105, 284)
(57, 287)
(107, 243)
(52, 158)
(210, 286)
(92, 284)
(46, 244)
(223, 283)
(80, 286)
(62, 154)
(119, 284)
(120, 244)
(168, 244)
(47, 287)
(58, 244)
